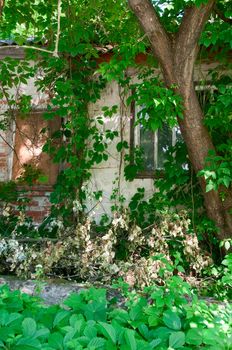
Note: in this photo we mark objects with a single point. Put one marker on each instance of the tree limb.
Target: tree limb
(26, 47)
(2, 3)
(55, 53)
(156, 33)
(190, 30)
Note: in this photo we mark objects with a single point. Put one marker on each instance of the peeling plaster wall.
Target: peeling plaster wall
(105, 176)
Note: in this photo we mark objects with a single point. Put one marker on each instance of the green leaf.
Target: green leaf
(226, 181)
(60, 316)
(108, 331)
(130, 339)
(4, 317)
(172, 320)
(55, 341)
(90, 332)
(194, 336)
(211, 337)
(210, 186)
(13, 317)
(97, 342)
(69, 336)
(135, 312)
(28, 343)
(42, 332)
(29, 327)
(155, 342)
(177, 340)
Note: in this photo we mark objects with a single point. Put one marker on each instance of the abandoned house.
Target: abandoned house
(22, 144)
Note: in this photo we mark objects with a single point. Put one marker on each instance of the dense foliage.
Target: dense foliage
(65, 40)
(160, 318)
(67, 75)
(164, 245)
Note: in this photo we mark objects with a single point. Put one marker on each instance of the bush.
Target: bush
(160, 318)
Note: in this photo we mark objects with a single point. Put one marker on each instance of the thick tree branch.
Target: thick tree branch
(190, 30)
(158, 37)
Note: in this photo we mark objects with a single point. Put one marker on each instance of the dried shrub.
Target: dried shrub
(125, 250)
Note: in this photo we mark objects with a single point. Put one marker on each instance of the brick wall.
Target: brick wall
(39, 206)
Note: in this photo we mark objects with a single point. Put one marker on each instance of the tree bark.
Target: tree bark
(2, 2)
(177, 58)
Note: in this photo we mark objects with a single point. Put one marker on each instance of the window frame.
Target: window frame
(135, 141)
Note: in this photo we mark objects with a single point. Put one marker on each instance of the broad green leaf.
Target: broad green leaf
(177, 340)
(153, 320)
(6, 332)
(29, 327)
(135, 312)
(97, 342)
(4, 317)
(60, 316)
(155, 342)
(13, 317)
(42, 332)
(210, 186)
(28, 343)
(162, 333)
(130, 339)
(55, 341)
(69, 336)
(144, 331)
(90, 332)
(172, 320)
(121, 316)
(108, 331)
(194, 336)
(211, 337)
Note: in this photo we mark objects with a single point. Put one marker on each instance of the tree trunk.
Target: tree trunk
(176, 58)
(199, 143)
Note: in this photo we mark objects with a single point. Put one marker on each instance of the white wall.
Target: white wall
(104, 174)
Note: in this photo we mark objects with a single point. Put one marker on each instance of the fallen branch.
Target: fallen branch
(33, 240)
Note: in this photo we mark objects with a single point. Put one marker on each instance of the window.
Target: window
(153, 144)
(156, 144)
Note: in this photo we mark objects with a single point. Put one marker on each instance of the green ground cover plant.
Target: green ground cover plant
(161, 317)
